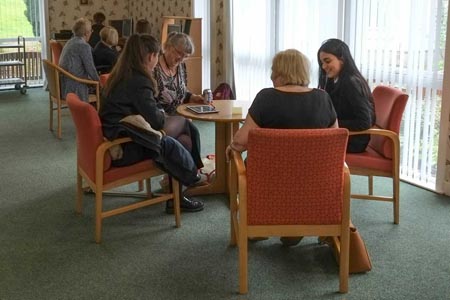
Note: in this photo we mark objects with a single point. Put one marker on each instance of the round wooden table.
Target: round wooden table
(226, 121)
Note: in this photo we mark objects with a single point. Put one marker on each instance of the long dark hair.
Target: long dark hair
(132, 58)
(349, 69)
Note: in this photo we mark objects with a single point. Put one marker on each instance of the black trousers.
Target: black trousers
(173, 159)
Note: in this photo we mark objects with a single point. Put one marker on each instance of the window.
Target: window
(23, 18)
(400, 43)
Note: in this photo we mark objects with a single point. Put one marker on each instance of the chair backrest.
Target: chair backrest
(295, 176)
(89, 134)
(55, 49)
(52, 74)
(390, 104)
(103, 79)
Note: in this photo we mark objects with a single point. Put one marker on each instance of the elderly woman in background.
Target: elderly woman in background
(171, 77)
(76, 58)
(105, 53)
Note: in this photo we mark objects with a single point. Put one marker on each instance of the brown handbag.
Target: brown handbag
(359, 259)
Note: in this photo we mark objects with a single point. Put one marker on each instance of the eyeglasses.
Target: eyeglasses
(181, 54)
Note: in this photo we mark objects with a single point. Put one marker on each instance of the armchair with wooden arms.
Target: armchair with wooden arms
(94, 166)
(53, 73)
(382, 155)
(294, 183)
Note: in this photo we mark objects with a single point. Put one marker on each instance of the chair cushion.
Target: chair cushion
(115, 173)
(370, 159)
(382, 145)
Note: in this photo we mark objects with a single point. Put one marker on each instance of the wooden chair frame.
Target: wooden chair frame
(56, 102)
(99, 186)
(370, 173)
(241, 231)
(384, 146)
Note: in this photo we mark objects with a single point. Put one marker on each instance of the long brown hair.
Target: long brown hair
(133, 58)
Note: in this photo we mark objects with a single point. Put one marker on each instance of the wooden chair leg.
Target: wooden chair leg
(233, 189)
(140, 186)
(98, 215)
(50, 125)
(370, 179)
(79, 201)
(176, 189)
(396, 200)
(59, 121)
(243, 263)
(344, 261)
(148, 186)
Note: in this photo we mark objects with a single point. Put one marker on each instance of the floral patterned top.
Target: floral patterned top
(173, 90)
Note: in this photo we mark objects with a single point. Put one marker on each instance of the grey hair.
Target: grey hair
(180, 39)
(81, 27)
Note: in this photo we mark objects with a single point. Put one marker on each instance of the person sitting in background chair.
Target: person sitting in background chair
(76, 58)
(99, 19)
(289, 104)
(142, 26)
(105, 53)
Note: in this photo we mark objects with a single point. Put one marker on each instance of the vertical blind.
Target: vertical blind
(398, 43)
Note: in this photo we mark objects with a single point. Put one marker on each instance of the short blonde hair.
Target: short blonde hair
(291, 67)
(109, 35)
(81, 27)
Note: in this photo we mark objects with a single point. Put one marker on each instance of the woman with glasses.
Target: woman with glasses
(129, 95)
(171, 77)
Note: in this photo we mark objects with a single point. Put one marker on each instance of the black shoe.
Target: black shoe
(187, 205)
(197, 178)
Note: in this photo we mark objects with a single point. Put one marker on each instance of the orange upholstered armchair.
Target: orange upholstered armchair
(55, 50)
(294, 183)
(382, 155)
(94, 166)
(103, 79)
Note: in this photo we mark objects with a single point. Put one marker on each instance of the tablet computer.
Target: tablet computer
(202, 109)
